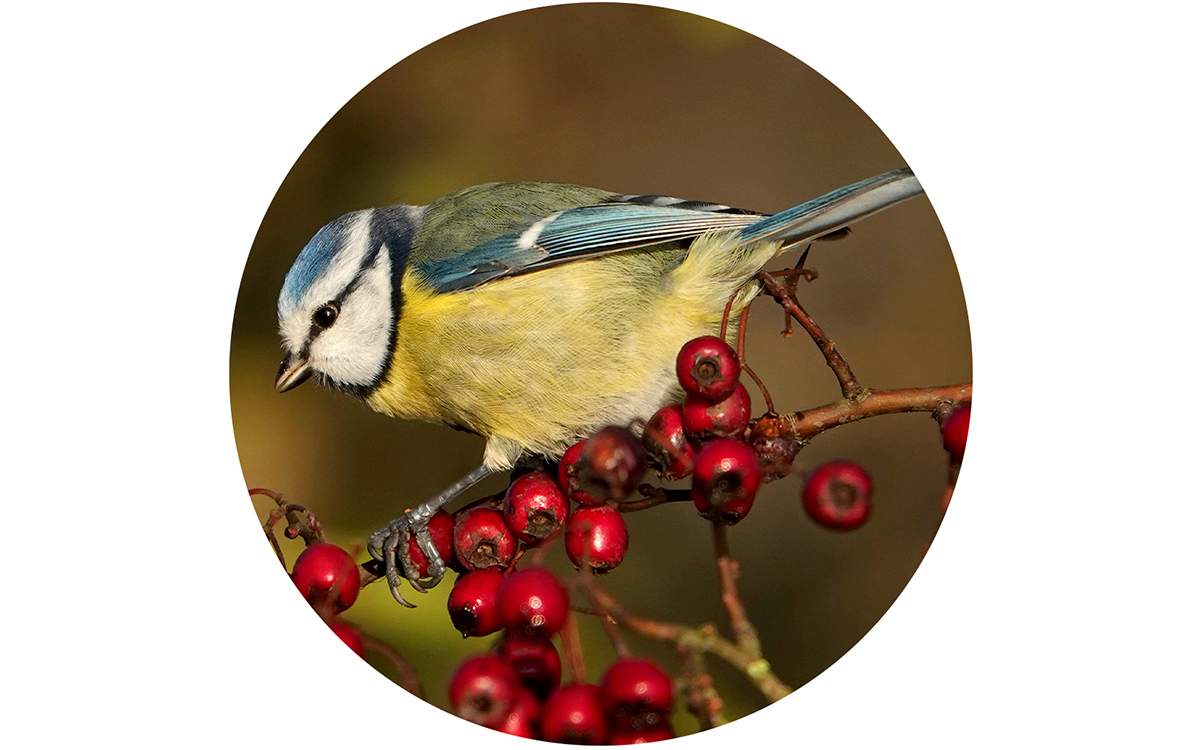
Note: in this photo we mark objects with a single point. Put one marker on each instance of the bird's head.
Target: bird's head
(341, 299)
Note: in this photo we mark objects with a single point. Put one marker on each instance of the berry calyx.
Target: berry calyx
(837, 495)
(954, 432)
(575, 714)
(483, 690)
(533, 603)
(725, 480)
(597, 537)
(349, 635)
(535, 661)
(328, 578)
(534, 506)
(474, 602)
(637, 693)
(441, 531)
(708, 367)
(483, 540)
(668, 449)
(703, 418)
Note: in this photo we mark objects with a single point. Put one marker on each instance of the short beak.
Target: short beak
(292, 372)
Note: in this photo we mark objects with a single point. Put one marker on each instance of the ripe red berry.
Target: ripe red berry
(637, 693)
(484, 690)
(708, 367)
(727, 418)
(725, 480)
(776, 452)
(838, 495)
(474, 602)
(483, 540)
(349, 635)
(522, 720)
(327, 577)
(535, 660)
(533, 603)
(597, 537)
(441, 531)
(667, 446)
(574, 714)
(611, 463)
(534, 506)
(656, 733)
(954, 432)
(568, 471)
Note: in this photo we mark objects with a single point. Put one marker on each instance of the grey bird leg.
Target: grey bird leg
(385, 544)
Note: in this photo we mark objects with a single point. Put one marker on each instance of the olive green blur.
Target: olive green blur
(630, 99)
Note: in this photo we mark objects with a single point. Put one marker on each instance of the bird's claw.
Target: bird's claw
(390, 546)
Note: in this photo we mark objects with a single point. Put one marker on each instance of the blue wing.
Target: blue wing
(593, 231)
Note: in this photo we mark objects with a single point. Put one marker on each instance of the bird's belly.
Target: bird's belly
(535, 363)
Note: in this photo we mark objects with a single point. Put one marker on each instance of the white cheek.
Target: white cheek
(355, 350)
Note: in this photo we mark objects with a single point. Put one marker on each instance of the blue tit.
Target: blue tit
(529, 313)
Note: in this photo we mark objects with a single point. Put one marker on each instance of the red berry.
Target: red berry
(954, 432)
(533, 603)
(637, 693)
(474, 602)
(349, 635)
(838, 495)
(703, 418)
(776, 452)
(441, 531)
(484, 690)
(725, 480)
(708, 367)
(597, 537)
(655, 733)
(575, 714)
(610, 464)
(535, 660)
(534, 506)
(670, 452)
(483, 540)
(568, 469)
(328, 578)
(522, 720)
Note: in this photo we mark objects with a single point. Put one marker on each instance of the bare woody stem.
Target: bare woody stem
(850, 386)
(805, 425)
(409, 679)
(704, 639)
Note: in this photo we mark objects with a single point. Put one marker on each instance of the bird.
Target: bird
(530, 313)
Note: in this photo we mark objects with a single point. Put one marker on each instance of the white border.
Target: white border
(144, 144)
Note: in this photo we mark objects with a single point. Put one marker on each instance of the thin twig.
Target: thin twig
(409, 679)
(850, 386)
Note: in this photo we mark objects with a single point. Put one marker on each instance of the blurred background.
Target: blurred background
(633, 99)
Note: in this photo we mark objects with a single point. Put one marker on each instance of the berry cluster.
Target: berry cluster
(515, 689)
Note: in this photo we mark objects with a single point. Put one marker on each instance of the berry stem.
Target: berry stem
(741, 353)
(573, 649)
(653, 496)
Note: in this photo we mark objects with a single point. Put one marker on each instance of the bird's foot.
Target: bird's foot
(390, 546)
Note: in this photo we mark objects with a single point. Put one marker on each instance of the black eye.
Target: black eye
(325, 315)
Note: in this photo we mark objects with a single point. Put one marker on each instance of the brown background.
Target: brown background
(631, 99)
